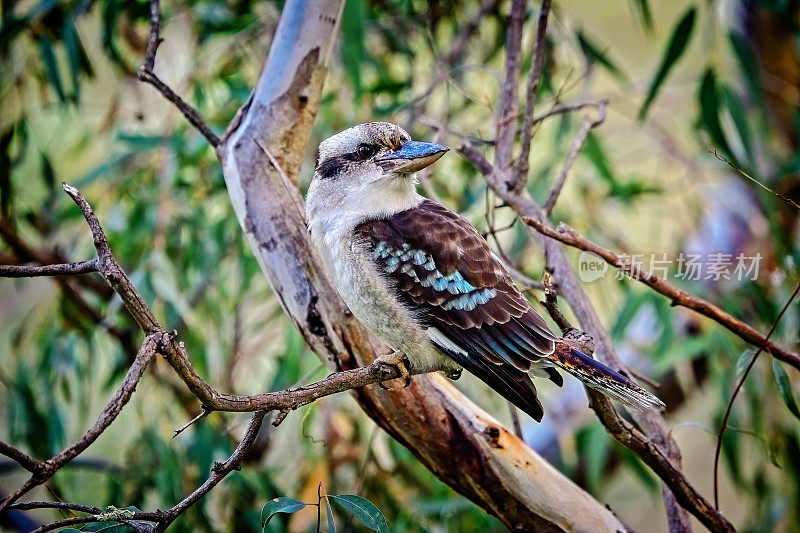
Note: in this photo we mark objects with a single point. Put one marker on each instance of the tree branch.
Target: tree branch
(534, 78)
(147, 74)
(570, 287)
(636, 441)
(505, 124)
(587, 125)
(30, 271)
(45, 470)
(678, 297)
(21, 458)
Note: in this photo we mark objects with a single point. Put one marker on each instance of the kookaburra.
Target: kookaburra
(425, 281)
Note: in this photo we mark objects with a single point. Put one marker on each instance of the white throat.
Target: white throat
(335, 209)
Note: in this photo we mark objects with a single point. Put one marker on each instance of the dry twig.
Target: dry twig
(678, 297)
(587, 125)
(534, 78)
(65, 269)
(147, 74)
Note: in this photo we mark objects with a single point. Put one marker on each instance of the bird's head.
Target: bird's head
(368, 170)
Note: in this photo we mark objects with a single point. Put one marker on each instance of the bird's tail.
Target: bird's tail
(601, 378)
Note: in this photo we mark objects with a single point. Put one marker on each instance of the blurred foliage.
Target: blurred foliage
(683, 78)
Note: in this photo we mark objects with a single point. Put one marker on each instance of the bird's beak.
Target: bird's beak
(412, 156)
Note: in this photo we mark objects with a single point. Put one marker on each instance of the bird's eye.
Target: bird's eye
(366, 151)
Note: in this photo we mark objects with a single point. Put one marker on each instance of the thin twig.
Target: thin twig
(512, 410)
(507, 101)
(176, 356)
(21, 458)
(724, 424)
(567, 108)
(678, 297)
(27, 506)
(147, 74)
(534, 79)
(203, 413)
(30, 271)
(751, 178)
(587, 125)
(218, 472)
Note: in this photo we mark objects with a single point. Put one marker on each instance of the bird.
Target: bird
(426, 281)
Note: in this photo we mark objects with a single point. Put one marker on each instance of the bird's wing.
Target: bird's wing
(450, 278)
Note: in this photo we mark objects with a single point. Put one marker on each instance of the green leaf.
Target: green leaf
(709, 110)
(279, 505)
(329, 512)
(50, 64)
(364, 510)
(644, 13)
(76, 55)
(594, 54)
(675, 49)
(629, 310)
(748, 64)
(785, 388)
(593, 149)
(739, 116)
(773, 458)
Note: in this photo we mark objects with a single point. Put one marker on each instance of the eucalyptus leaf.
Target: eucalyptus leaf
(675, 49)
(51, 66)
(282, 504)
(785, 388)
(329, 512)
(364, 510)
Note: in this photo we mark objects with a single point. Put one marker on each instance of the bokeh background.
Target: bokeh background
(71, 109)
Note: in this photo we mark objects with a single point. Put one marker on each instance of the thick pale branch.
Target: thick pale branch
(678, 297)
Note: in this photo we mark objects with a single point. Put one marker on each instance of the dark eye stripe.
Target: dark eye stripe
(328, 168)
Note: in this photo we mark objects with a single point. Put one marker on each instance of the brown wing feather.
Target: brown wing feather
(447, 273)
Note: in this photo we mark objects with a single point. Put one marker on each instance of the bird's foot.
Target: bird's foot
(399, 361)
(453, 373)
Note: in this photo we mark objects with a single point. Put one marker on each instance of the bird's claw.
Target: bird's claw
(453, 374)
(397, 360)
